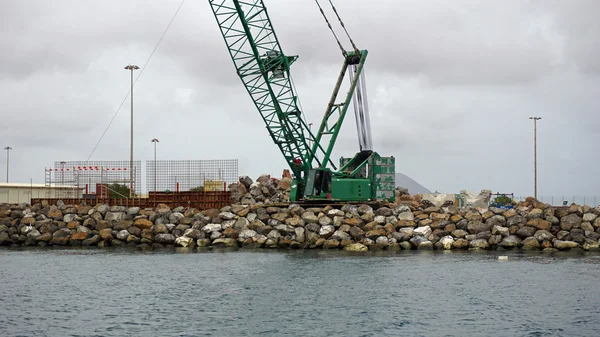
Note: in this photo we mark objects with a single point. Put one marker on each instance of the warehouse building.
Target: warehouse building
(15, 193)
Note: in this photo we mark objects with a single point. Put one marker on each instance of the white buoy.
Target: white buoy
(503, 258)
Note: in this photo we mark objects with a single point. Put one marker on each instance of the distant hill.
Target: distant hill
(413, 187)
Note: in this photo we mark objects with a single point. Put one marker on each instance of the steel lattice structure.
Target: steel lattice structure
(89, 173)
(184, 175)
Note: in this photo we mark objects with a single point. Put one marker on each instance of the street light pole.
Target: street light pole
(535, 119)
(132, 68)
(154, 141)
(8, 148)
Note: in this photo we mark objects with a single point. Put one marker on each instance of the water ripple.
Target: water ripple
(94, 292)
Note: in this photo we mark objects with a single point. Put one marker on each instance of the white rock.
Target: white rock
(211, 227)
(422, 231)
(246, 234)
(184, 241)
(447, 242)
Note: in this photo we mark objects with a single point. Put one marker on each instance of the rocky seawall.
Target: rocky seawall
(530, 225)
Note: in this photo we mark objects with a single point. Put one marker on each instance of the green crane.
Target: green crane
(265, 71)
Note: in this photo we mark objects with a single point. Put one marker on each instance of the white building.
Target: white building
(15, 193)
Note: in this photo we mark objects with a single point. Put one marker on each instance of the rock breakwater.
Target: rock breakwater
(530, 225)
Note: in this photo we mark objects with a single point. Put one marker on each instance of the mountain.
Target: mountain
(413, 187)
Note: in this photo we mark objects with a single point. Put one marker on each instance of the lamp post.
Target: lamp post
(132, 68)
(535, 119)
(8, 148)
(154, 141)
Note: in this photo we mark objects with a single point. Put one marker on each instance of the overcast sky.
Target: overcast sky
(451, 85)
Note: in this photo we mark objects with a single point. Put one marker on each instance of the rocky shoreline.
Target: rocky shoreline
(410, 225)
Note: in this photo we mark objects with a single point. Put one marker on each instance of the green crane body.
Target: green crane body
(265, 71)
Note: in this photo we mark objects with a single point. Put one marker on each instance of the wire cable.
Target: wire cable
(136, 79)
(343, 26)
(330, 28)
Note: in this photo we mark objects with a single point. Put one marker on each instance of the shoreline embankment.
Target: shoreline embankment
(529, 225)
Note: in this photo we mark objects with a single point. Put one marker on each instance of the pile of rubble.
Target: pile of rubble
(265, 190)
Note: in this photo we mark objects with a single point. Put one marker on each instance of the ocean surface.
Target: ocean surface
(178, 292)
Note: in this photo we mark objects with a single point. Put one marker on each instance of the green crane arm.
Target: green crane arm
(265, 72)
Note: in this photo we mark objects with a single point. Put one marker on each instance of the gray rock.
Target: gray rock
(531, 243)
(72, 217)
(475, 227)
(274, 235)
(510, 241)
(341, 235)
(193, 233)
(385, 211)
(246, 181)
(589, 217)
(325, 220)
(300, 234)
(500, 230)
(335, 212)
(553, 220)
(569, 222)
(227, 224)
(313, 227)
(33, 234)
(241, 223)
(175, 217)
(459, 233)
(133, 210)
(525, 232)
(515, 220)
(591, 245)
(309, 217)
(543, 235)
(103, 209)
(165, 238)
(406, 216)
(114, 216)
(479, 244)
(496, 220)
(227, 215)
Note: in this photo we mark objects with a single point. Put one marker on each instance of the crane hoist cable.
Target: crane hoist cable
(343, 26)
(332, 31)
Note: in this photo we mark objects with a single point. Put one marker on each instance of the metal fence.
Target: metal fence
(89, 174)
(185, 175)
(163, 175)
(566, 200)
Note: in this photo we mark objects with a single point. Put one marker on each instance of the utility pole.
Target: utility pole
(132, 68)
(535, 119)
(8, 148)
(155, 140)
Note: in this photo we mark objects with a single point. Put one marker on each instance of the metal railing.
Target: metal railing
(565, 200)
